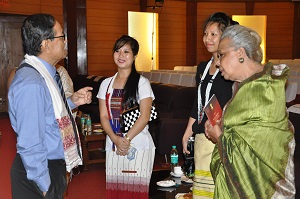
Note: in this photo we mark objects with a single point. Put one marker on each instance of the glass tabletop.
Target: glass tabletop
(159, 192)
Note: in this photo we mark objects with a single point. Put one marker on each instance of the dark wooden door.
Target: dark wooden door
(11, 51)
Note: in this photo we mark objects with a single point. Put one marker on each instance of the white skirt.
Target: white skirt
(203, 186)
(125, 178)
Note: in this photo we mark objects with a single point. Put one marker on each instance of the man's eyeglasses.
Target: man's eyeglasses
(62, 36)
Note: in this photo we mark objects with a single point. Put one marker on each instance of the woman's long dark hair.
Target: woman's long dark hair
(132, 83)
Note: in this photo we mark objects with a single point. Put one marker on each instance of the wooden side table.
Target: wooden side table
(86, 142)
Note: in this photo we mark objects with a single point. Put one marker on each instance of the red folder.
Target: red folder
(213, 110)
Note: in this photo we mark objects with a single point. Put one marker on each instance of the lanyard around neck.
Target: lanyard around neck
(207, 91)
(209, 85)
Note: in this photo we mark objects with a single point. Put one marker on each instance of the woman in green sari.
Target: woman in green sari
(253, 157)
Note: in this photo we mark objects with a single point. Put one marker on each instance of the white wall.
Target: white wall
(143, 27)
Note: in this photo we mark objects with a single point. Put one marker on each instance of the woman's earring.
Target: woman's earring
(241, 60)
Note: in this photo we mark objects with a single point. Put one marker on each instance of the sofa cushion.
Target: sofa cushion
(163, 96)
(94, 81)
(169, 132)
(183, 102)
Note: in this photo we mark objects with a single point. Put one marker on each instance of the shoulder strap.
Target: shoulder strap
(26, 65)
(108, 85)
(107, 95)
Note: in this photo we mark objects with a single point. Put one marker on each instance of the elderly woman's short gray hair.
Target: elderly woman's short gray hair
(243, 37)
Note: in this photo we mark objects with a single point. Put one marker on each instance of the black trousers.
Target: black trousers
(22, 188)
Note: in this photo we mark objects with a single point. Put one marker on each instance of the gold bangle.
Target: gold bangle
(127, 138)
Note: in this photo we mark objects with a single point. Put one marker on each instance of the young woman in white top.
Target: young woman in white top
(129, 156)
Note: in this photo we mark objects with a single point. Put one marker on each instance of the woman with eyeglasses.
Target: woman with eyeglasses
(209, 82)
(253, 157)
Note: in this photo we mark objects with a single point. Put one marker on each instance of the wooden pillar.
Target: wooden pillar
(75, 29)
(191, 33)
(143, 5)
(296, 34)
(249, 8)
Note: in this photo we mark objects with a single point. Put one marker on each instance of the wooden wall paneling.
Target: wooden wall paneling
(225, 1)
(27, 7)
(279, 44)
(106, 22)
(280, 17)
(104, 45)
(236, 8)
(118, 5)
(109, 28)
(179, 32)
(172, 34)
(173, 59)
(56, 3)
(191, 33)
(276, 38)
(54, 8)
(176, 52)
(277, 53)
(98, 21)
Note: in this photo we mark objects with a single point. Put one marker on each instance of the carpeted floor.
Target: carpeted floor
(89, 184)
(7, 153)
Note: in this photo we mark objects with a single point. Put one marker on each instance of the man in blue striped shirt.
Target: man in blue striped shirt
(39, 168)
